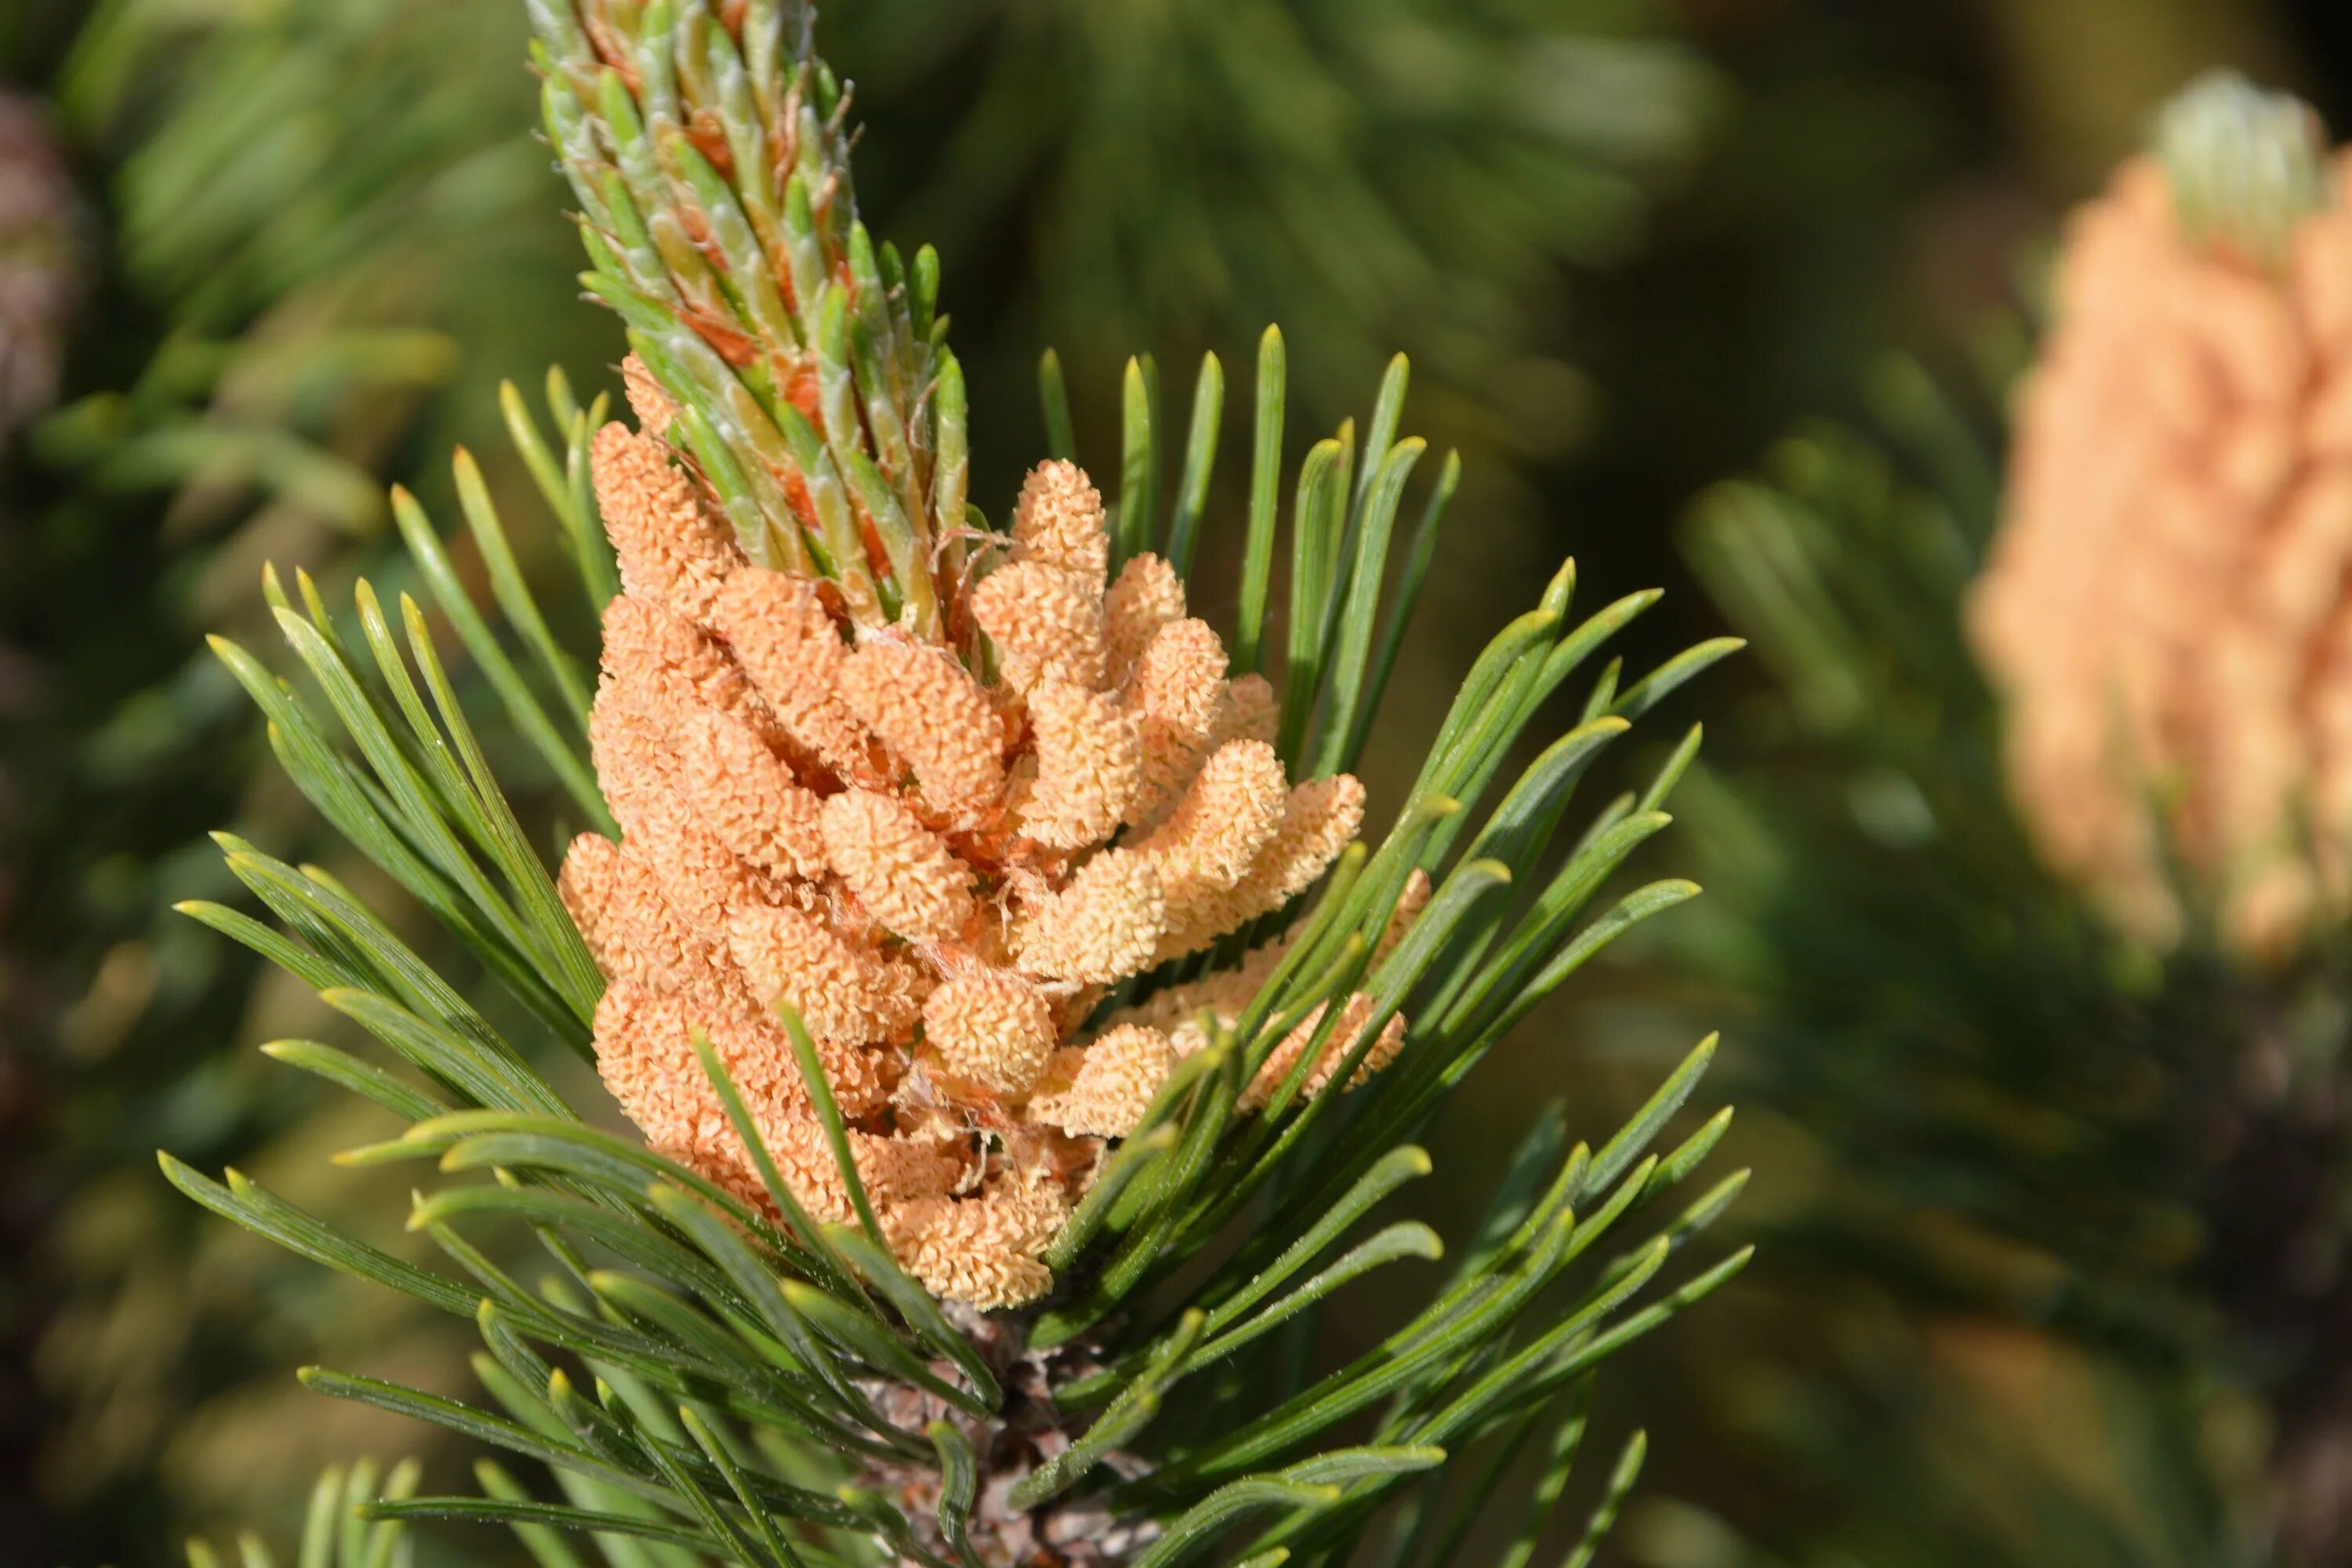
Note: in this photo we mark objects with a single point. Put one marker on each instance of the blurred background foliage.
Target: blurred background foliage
(1628, 243)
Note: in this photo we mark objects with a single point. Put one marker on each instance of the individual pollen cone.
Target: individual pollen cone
(1228, 813)
(984, 1250)
(1044, 623)
(841, 991)
(2166, 609)
(993, 1026)
(930, 712)
(1319, 818)
(1251, 712)
(631, 749)
(640, 1032)
(1146, 596)
(1059, 520)
(917, 861)
(749, 798)
(669, 550)
(1089, 766)
(1180, 679)
(1100, 928)
(1177, 693)
(699, 878)
(629, 926)
(904, 873)
(668, 665)
(1104, 1088)
(787, 643)
(647, 401)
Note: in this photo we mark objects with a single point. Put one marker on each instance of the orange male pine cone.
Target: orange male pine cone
(921, 863)
(2168, 610)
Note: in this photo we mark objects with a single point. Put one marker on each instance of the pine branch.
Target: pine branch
(712, 1367)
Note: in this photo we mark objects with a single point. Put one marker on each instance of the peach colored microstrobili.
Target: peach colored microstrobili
(2168, 610)
(941, 873)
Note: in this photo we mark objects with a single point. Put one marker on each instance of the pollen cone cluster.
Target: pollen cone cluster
(2167, 609)
(940, 872)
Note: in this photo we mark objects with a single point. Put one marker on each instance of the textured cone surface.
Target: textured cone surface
(2166, 609)
(848, 821)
